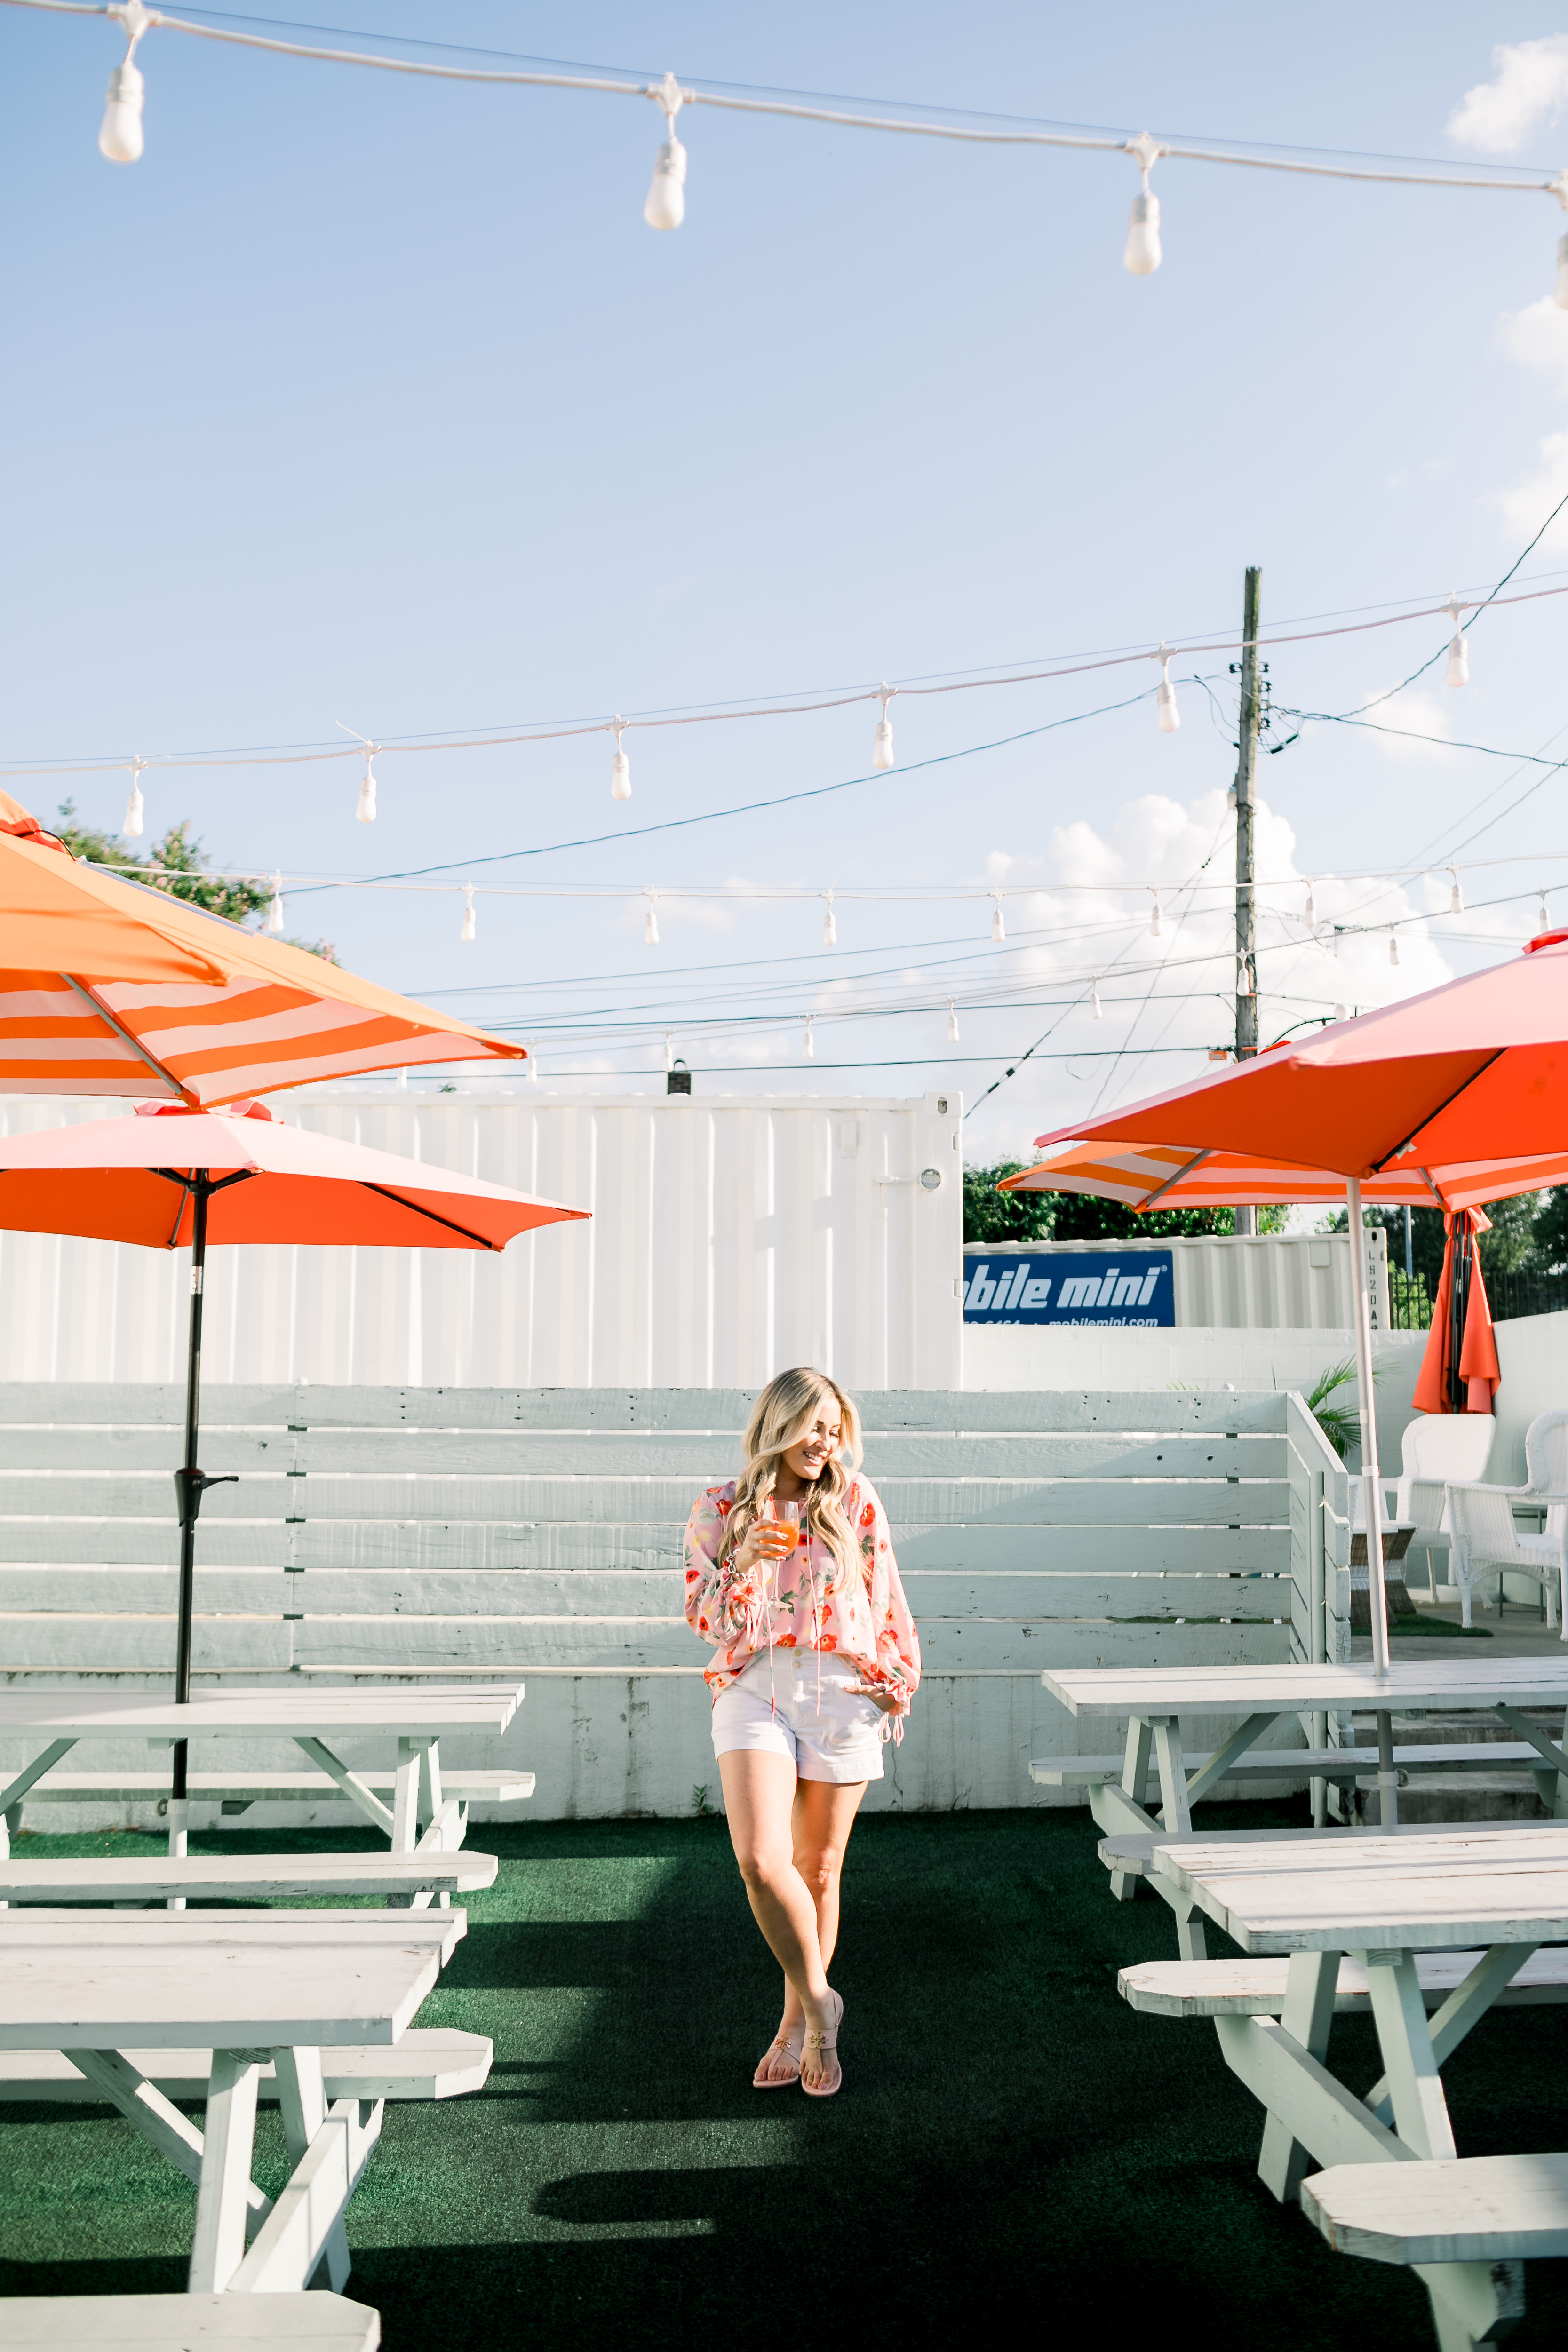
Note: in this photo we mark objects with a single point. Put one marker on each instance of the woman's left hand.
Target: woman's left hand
(878, 1694)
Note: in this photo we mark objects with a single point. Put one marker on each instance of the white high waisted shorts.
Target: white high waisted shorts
(838, 1740)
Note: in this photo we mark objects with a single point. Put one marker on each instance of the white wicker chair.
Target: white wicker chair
(1437, 1448)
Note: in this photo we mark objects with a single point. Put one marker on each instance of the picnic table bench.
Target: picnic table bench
(1478, 2208)
(426, 2062)
(104, 1985)
(237, 1879)
(187, 2323)
(317, 1720)
(1493, 1894)
(1154, 1699)
(235, 1793)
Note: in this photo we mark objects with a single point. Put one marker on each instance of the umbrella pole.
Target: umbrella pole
(188, 1495)
(1387, 1781)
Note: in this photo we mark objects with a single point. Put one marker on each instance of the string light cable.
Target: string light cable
(120, 139)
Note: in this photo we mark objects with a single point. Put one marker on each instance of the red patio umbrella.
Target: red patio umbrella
(1459, 1370)
(169, 1178)
(1472, 1070)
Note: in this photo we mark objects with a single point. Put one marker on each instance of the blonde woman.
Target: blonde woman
(790, 1574)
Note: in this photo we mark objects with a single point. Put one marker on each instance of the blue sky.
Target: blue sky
(370, 400)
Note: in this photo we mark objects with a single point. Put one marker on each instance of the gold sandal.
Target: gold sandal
(822, 2042)
(791, 2044)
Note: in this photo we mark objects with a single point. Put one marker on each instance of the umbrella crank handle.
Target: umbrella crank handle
(189, 1487)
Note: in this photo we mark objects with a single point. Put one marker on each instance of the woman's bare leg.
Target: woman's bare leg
(821, 1820)
(759, 1801)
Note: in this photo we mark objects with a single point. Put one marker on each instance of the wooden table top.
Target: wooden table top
(1251, 1690)
(1505, 1883)
(107, 1986)
(319, 1714)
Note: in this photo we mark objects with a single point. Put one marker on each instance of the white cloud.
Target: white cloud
(1527, 93)
(1418, 713)
(1537, 337)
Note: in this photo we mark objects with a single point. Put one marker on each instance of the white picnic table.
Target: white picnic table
(1154, 1699)
(315, 1720)
(1497, 1890)
(243, 1993)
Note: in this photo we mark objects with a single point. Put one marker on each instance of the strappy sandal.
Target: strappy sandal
(822, 2042)
(791, 2043)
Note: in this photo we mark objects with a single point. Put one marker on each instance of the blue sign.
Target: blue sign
(1134, 1290)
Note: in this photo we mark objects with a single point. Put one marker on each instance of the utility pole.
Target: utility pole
(1244, 797)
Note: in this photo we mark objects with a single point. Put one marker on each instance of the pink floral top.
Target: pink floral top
(867, 1622)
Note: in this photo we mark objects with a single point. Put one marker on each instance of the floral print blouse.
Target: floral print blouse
(867, 1622)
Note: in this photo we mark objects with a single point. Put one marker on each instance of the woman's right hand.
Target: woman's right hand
(765, 1543)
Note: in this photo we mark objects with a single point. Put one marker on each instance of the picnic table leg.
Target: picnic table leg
(1134, 1782)
(303, 2097)
(412, 1755)
(1283, 2163)
(1176, 1816)
(451, 1833)
(223, 2194)
(156, 2118)
(16, 1788)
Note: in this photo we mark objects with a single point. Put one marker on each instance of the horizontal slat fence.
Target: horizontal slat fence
(382, 1532)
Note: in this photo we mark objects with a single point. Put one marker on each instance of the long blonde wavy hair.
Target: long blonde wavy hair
(781, 1418)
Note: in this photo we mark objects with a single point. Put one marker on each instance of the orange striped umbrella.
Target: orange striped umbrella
(1167, 1176)
(109, 987)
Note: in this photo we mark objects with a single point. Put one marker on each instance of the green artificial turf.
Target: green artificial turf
(1013, 2145)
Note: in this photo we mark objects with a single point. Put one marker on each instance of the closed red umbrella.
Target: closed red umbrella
(1459, 1370)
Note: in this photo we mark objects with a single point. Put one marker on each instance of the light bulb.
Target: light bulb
(1545, 918)
(1166, 702)
(1341, 1012)
(650, 921)
(809, 1050)
(1155, 924)
(1095, 1012)
(532, 1063)
(467, 934)
(274, 922)
(669, 1051)
(1243, 977)
(829, 923)
(666, 205)
(1142, 253)
(1458, 669)
(620, 768)
(1563, 273)
(1394, 946)
(119, 140)
(951, 1027)
(998, 928)
(882, 743)
(365, 813)
(1456, 896)
(1309, 912)
(131, 828)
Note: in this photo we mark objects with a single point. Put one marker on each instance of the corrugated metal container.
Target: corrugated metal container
(731, 1236)
(1282, 1282)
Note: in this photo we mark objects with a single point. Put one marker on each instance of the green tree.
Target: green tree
(179, 865)
(991, 1216)
(1514, 1245)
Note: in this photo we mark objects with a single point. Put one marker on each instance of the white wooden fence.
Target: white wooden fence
(393, 1532)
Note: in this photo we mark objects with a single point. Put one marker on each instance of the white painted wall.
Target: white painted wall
(731, 1236)
(1014, 1356)
(1532, 1357)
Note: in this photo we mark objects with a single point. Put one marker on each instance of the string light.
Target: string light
(998, 926)
(532, 1065)
(882, 743)
(650, 919)
(1142, 256)
(1458, 670)
(1309, 912)
(1545, 918)
(666, 205)
(829, 923)
(1243, 977)
(1341, 1012)
(1169, 717)
(119, 140)
(669, 1051)
(1456, 896)
(1562, 268)
(131, 828)
(274, 922)
(1394, 946)
(951, 1023)
(1155, 924)
(365, 811)
(1096, 1012)
(620, 766)
(809, 1050)
(467, 935)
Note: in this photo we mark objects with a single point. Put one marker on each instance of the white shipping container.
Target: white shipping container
(1294, 1282)
(731, 1236)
